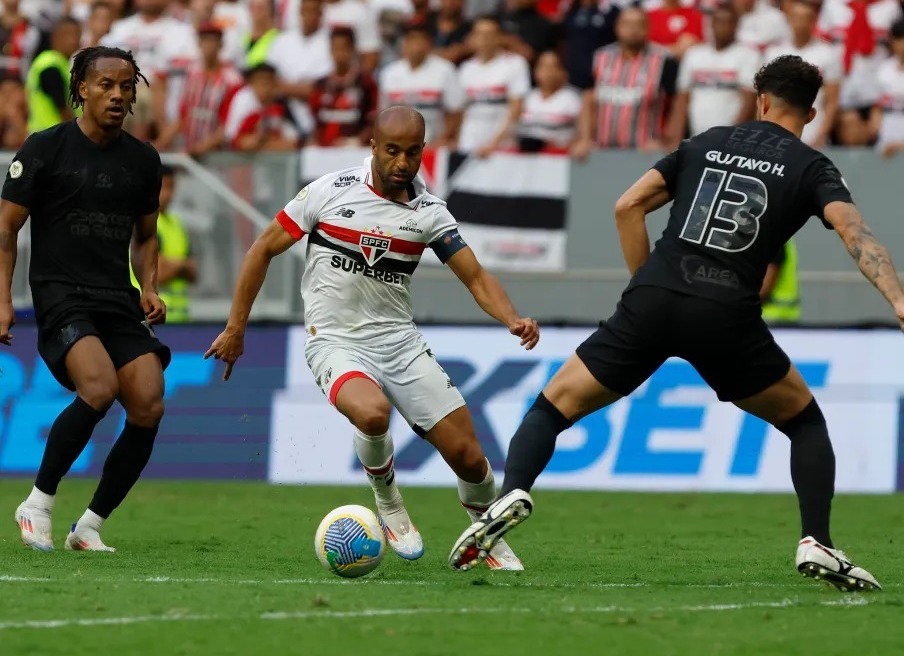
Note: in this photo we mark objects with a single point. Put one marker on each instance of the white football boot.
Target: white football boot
(36, 527)
(478, 541)
(501, 556)
(831, 565)
(401, 534)
(85, 538)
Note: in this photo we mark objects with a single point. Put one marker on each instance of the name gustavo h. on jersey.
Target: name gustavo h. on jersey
(743, 162)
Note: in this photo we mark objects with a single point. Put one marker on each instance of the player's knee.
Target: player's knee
(147, 413)
(374, 418)
(99, 392)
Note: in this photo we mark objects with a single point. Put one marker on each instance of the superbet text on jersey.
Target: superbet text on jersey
(362, 250)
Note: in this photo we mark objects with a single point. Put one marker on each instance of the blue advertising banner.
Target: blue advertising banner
(211, 429)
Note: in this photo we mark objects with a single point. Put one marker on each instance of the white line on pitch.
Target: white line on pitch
(395, 612)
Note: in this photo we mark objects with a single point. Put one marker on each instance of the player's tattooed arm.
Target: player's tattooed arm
(12, 218)
(646, 195)
(872, 257)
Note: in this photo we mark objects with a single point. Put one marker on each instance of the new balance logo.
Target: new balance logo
(345, 212)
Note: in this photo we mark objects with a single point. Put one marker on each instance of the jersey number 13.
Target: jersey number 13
(726, 210)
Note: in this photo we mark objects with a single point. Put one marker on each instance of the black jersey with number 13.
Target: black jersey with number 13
(739, 193)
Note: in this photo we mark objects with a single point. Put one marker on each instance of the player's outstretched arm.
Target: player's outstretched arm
(492, 297)
(646, 195)
(872, 257)
(229, 346)
(12, 218)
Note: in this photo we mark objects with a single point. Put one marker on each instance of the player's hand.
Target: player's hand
(528, 330)
(7, 321)
(899, 311)
(153, 307)
(228, 347)
(580, 150)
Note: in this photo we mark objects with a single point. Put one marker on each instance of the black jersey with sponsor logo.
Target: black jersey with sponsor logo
(738, 194)
(84, 200)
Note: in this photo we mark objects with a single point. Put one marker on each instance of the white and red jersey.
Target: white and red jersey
(715, 80)
(247, 115)
(432, 88)
(825, 57)
(361, 253)
(488, 87)
(164, 48)
(891, 88)
(553, 119)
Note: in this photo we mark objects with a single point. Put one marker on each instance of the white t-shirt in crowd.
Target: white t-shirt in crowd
(432, 88)
(891, 88)
(859, 87)
(299, 58)
(163, 48)
(488, 88)
(358, 15)
(714, 79)
(553, 119)
(825, 57)
(247, 114)
(763, 27)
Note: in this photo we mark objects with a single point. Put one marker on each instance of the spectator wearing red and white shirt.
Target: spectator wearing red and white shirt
(19, 40)
(634, 82)
(426, 82)
(715, 82)
(165, 48)
(860, 29)
(675, 27)
(802, 17)
(760, 24)
(552, 110)
(257, 120)
(495, 83)
(888, 114)
(344, 104)
(208, 90)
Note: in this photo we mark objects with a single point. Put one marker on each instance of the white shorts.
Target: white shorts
(409, 375)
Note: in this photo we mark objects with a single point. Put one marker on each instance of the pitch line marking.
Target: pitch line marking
(398, 612)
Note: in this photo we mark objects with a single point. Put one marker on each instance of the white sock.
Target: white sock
(90, 520)
(477, 497)
(39, 499)
(375, 452)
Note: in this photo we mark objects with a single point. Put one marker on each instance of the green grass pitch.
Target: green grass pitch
(213, 568)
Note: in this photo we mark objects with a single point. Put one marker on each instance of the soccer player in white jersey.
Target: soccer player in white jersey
(367, 228)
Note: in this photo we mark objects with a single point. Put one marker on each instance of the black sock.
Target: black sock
(123, 467)
(533, 444)
(812, 470)
(66, 440)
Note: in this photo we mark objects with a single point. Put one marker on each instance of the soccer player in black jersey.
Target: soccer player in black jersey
(738, 194)
(91, 190)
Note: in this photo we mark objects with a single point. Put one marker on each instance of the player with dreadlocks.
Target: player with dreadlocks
(92, 191)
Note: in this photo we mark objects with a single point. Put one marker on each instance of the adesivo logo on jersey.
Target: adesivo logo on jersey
(373, 248)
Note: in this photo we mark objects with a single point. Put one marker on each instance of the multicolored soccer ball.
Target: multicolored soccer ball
(349, 541)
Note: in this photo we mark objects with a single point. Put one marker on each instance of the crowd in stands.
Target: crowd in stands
(563, 76)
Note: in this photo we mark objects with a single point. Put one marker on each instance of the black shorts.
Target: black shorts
(67, 313)
(729, 346)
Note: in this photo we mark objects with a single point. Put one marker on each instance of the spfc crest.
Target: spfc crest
(373, 248)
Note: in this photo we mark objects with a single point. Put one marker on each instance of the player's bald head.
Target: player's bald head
(399, 124)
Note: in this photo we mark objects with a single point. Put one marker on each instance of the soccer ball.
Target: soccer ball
(349, 541)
